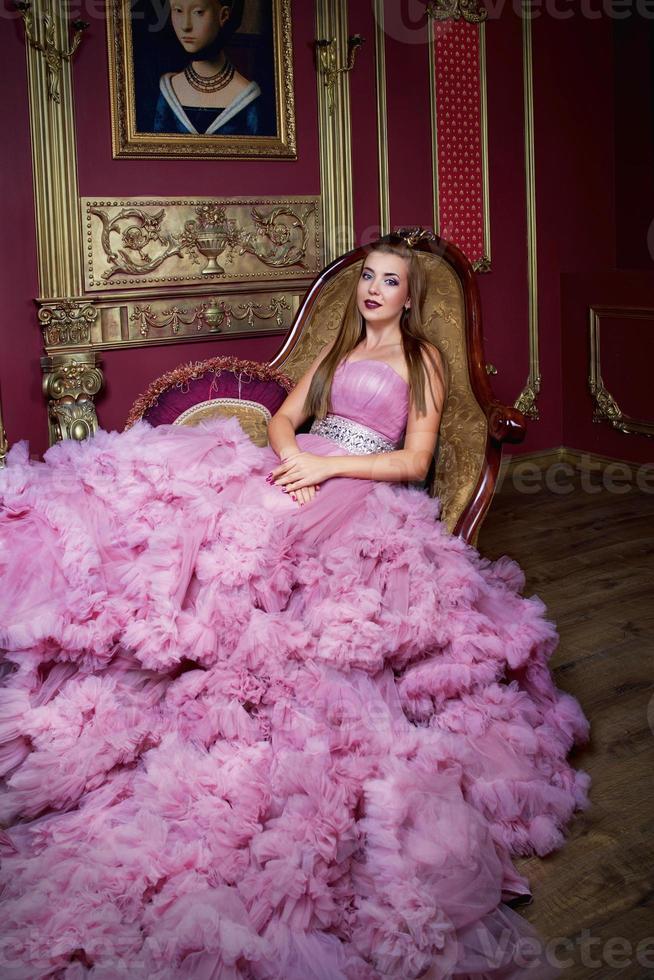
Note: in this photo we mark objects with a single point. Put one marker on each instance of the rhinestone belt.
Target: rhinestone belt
(353, 436)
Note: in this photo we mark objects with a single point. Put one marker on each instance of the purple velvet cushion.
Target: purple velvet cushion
(217, 378)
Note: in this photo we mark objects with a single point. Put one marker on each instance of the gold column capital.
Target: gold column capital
(70, 383)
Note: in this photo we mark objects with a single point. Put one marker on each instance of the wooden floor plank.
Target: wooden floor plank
(590, 558)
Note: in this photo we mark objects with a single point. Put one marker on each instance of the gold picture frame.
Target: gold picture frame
(148, 119)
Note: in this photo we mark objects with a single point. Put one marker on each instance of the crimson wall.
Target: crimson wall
(584, 248)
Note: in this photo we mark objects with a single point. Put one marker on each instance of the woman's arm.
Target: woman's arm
(409, 464)
(291, 415)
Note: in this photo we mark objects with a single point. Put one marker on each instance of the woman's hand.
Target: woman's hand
(301, 474)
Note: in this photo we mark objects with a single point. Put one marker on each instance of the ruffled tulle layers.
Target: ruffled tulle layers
(250, 740)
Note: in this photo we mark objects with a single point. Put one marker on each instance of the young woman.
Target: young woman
(209, 96)
(251, 733)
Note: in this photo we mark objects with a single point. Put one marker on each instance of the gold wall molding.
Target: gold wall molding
(335, 135)
(70, 383)
(139, 241)
(583, 461)
(484, 264)
(527, 400)
(431, 53)
(382, 119)
(606, 408)
(54, 164)
(175, 315)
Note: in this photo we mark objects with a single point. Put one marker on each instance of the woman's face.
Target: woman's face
(197, 23)
(383, 289)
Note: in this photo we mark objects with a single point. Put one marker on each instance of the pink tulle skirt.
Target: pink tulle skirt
(246, 739)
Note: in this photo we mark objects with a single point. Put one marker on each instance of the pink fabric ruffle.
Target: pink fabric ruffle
(243, 739)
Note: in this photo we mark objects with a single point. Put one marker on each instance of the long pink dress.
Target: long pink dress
(244, 739)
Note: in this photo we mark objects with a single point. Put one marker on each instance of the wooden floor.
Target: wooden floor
(590, 557)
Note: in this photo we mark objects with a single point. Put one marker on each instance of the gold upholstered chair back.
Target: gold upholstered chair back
(473, 427)
(474, 424)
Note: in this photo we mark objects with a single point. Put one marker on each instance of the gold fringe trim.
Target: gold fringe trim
(197, 369)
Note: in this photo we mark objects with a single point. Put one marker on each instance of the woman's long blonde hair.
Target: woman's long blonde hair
(414, 338)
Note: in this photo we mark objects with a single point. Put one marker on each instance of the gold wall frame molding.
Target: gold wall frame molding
(54, 165)
(47, 44)
(335, 135)
(136, 242)
(606, 408)
(70, 383)
(527, 400)
(382, 119)
(134, 137)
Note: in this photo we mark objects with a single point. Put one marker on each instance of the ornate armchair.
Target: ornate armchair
(474, 424)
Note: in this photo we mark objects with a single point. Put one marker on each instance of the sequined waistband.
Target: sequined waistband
(353, 436)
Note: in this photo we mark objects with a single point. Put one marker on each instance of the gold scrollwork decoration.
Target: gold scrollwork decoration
(471, 11)
(482, 265)
(54, 56)
(328, 62)
(279, 238)
(70, 383)
(606, 408)
(526, 402)
(173, 318)
(215, 315)
(412, 236)
(68, 322)
(221, 313)
(135, 239)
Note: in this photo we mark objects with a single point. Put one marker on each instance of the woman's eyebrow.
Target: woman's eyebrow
(367, 268)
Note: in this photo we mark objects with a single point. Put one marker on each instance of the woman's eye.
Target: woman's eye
(391, 282)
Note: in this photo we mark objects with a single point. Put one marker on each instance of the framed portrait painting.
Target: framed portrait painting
(201, 78)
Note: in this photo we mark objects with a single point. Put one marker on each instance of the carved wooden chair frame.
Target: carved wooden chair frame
(474, 425)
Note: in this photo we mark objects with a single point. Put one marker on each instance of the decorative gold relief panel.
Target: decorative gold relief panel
(140, 242)
(107, 324)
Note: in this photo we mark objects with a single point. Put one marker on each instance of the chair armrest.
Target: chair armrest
(506, 423)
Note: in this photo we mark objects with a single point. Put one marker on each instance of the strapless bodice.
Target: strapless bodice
(372, 393)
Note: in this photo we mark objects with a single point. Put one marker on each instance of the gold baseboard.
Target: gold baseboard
(582, 461)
